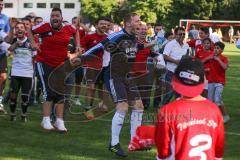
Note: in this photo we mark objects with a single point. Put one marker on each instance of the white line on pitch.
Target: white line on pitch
(232, 133)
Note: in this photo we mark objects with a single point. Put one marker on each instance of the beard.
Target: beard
(55, 24)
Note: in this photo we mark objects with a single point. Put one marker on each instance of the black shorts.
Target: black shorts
(78, 75)
(91, 75)
(53, 82)
(100, 78)
(123, 90)
(23, 83)
(3, 64)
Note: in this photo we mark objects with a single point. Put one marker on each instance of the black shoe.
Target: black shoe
(24, 119)
(13, 118)
(117, 149)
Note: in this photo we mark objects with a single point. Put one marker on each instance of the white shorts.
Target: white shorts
(215, 91)
(206, 84)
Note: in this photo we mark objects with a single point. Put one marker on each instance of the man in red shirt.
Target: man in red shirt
(93, 67)
(190, 127)
(53, 52)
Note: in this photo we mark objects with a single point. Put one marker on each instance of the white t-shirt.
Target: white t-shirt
(3, 45)
(215, 37)
(174, 50)
(22, 63)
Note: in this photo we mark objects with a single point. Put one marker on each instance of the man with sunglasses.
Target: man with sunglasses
(173, 53)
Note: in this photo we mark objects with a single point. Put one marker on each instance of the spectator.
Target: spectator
(231, 34)
(193, 33)
(173, 53)
(215, 36)
(38, 20)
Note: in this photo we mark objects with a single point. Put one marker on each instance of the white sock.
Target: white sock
(46, 118)
(59, 120)
(1, 98)
(117, 123)
(136, 120)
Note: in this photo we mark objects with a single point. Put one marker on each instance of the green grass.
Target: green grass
(89, 140)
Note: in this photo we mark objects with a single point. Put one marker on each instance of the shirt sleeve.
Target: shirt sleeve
(167, 49)
(7, 27)
(108, 44)
(162, 135)
(192, 43)
(225, 60)
(94, 50)
(40, 28)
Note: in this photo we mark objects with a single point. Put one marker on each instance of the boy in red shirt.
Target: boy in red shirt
(202, 56)
(190, 127)
(218, 65)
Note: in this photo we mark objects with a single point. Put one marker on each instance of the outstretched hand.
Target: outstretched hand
(12, 22)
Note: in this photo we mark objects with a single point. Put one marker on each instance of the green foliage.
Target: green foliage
(97, 8)
(191, 9)
(227, 10)
(167, 12)
(152, 11)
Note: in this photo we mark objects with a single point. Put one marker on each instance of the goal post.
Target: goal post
(223, 24)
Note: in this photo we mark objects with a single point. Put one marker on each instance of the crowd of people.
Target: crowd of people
(124, 64)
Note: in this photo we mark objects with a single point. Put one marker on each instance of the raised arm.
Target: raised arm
(34, 45)
(12, 23)
(13, 47)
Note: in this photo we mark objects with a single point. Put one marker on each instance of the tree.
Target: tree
(94, 9)
(152, 11)
(227, 10)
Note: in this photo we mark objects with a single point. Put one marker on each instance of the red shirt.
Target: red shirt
(140, 64)
(201, 55)
(54, 46)
(190, 130)
(217, 73)
(90, 41)
(82, 33)
(197, 44)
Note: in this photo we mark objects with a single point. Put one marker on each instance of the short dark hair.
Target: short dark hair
(74, 18)
(178, 29)
(128, 17)
(220, 44)
(100, 19)
(168, 34)
(26, 19)
(35, 19)
(204, 29)
(207, 39)
(158, 24)
(19, 22)
(108, 19)
(57, 9)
